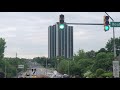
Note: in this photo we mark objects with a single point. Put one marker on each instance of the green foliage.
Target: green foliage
(91, 54)
(42, 61)
(63, 66)
(99, 72)
(109, 45)
(103, 61)
(80, 55)
(107, 75)
(95, 63)
(12, 66)
(102, 50)
(2, 47)
(87, 74)
(85, 65)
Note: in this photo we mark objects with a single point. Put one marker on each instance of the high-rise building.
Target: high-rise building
(60, 42)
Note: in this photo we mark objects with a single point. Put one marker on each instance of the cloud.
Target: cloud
(8, 29)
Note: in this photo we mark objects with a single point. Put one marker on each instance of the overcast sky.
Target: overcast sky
(27, 32)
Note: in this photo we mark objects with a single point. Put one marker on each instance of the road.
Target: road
(39, 71)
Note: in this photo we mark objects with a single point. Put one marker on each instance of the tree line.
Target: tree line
(90, 64)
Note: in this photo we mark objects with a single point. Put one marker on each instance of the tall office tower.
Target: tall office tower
(60, 42)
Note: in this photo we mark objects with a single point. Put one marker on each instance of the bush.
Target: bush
(107, 74)
(92, 75)
(99, 72)
(87, 74)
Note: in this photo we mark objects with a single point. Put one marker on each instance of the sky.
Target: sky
(27, 32)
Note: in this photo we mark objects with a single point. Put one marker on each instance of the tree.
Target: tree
(102, 50)
(91, 54)
(40, 60)
(63, 67)
(2, 47)
(109, 45)
(85, 65)
(80, 55)
(103, 61)
(11, 66)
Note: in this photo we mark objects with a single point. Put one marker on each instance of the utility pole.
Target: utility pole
(17, 65)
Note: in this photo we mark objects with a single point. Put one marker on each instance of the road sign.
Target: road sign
(20, 66)
(115, 24)
(116, 69)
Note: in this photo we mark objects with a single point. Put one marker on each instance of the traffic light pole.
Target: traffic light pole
(113, 41)
(85, 23)
(114, 45)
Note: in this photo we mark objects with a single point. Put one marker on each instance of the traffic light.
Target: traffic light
(106, 23)
(61, 25)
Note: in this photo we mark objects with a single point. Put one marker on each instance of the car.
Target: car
(50, 74)
(65, 76)
(20, 77)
